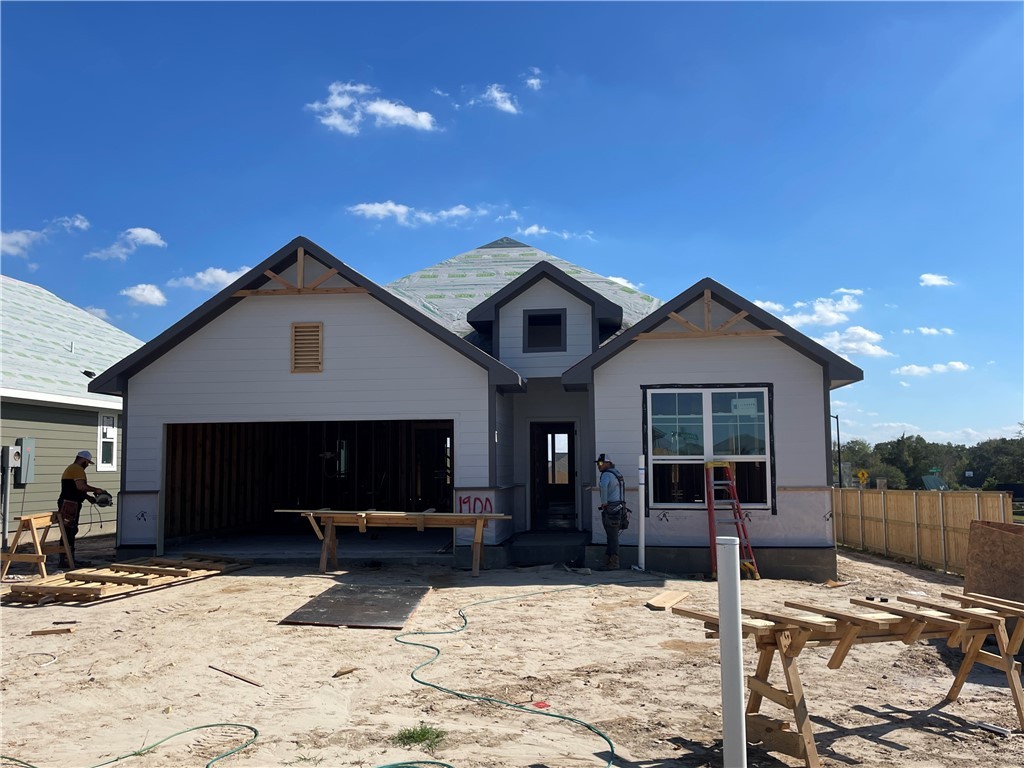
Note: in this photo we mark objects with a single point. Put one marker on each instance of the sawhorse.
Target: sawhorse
(33, 525)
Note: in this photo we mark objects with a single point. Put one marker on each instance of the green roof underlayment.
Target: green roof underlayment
(447, 291)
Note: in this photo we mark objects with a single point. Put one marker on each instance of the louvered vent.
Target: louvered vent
(307, 347)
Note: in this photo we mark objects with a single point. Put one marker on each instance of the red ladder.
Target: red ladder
(730, 501)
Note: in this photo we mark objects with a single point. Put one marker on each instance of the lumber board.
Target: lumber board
(804, 621)
(666, 600)
(155, 570)
(774, 738)
(110, 577)
(53, 631)
(1017, 606)
(750, 626)
(926, 615)
(969, 614)
(873, 620)
(769, 691)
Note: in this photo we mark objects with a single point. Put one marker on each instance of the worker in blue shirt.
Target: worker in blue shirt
(613, 507)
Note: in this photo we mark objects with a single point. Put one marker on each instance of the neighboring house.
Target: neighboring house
(50, 351)
(486, 383)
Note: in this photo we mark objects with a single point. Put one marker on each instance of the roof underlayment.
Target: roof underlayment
(447, 291)
(46, 344)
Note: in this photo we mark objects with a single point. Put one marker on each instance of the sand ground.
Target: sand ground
(138, 669)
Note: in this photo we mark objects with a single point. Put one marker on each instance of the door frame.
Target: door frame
(575, 482)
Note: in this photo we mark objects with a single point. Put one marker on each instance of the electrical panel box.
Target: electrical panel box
(26, 473)
(11, 457)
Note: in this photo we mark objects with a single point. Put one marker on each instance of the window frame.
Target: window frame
(106, 432)
(528, 313)
(707, 392)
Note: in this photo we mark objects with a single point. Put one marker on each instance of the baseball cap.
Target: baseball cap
(85, 455)
(601, 458)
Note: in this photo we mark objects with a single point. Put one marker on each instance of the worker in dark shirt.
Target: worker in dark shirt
(74, 489)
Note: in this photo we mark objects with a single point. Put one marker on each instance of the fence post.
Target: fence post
(885, 528)
(860, 514)
(942, 531)
(1002, 507)
(917, 534)
(977, 506)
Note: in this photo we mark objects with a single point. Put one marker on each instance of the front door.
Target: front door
(553, 476)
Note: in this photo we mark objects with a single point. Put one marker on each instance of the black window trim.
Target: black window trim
(527, 314)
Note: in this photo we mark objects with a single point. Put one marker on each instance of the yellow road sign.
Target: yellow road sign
(862, 476)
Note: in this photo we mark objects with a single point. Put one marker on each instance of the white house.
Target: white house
(486, 383)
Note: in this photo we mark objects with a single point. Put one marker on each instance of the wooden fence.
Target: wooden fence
(923, 527)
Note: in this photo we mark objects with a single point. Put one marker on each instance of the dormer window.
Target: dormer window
(544, 330)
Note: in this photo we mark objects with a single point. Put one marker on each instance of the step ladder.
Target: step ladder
(721, 497)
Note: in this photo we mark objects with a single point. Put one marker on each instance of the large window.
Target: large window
(687, 427)
(107, 443)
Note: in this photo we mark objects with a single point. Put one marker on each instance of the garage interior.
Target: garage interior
(228, 478)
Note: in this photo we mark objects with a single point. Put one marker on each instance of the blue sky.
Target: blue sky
(857, 169)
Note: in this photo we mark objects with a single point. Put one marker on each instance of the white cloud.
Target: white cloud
(499, 98)
(537, 229)
(210, 279)
(407, 216)
(98, 312)
(389, 113)
(532, 79)
(17, 242)
(935, 331)
(346, 104)
(626, 283)
(127, 243)
(510, 216)
(770, 306)
(930, 279)
(439, 92)
(824, 311)
(852, 291)
(904, 384)
(953, 366)
(855, 340)
(145, 293)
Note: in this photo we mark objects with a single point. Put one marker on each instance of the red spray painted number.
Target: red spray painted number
(476, 505)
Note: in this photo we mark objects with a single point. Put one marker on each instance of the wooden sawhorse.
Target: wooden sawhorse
(33, 524)
(908, 620)
(331, 520)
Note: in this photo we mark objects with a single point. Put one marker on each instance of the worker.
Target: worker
(74, 489)
(613, 507)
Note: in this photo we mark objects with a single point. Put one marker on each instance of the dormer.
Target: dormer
(544, 321)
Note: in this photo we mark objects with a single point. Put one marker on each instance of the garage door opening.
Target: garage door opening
(224, 478)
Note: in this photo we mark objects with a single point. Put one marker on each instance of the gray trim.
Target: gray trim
(827, 398)
(605, 311)
(114, 380)
(492, 444)
(838, 371)
(528, 313)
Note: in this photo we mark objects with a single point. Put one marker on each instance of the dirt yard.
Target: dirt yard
(137, 669)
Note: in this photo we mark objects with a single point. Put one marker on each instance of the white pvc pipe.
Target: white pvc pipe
(734, 722)
(641, 522)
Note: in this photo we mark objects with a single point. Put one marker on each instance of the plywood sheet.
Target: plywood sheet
(995, 560)
(369, 607)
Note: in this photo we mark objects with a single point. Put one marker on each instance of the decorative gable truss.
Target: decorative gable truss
(691, 330)
(280, 286)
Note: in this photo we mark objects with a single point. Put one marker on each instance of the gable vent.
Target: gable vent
(307, 347)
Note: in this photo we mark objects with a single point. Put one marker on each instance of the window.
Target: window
(544, 330)
(307, 347)
(687, 427)
(106, 460)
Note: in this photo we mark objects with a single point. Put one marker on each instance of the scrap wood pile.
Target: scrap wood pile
(116, 579)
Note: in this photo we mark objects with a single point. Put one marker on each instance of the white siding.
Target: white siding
(578, 336)
(798, 423)
(377, 365)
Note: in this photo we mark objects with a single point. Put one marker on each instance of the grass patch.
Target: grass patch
(306, 760)
(422, 735)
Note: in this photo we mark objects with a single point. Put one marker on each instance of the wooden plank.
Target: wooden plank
(970, 614)
(803, 720)
(154, 570)
(53, 631)
(666, 600)
(849, 637)
(105, 575)
(67, 588)
(775, 736)
(768, 691)
(750, 626)
(926, 615)
(874, 620)
(805, 621)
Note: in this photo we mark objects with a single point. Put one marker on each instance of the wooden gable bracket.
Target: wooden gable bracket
(694, 331)
(301, 289)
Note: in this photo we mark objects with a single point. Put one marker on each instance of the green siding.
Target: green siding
(59, 433)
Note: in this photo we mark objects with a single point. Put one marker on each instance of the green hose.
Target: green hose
(472, 697)
(145, 749)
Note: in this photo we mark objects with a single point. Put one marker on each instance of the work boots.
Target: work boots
(611, 563)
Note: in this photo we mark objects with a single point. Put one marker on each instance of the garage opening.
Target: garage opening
(225, 478)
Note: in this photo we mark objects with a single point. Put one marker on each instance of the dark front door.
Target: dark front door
(553, 476)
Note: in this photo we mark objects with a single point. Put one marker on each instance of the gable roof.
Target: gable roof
(448, 291)
(47, 346)
(115, 379)
(607, 313)
(839, 371)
